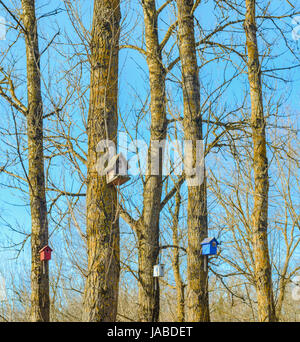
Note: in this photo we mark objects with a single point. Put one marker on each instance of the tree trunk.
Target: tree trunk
(197, 286)
(265, 299)
(148, 236)
(102, 222)
(176, 263)
(40, 303)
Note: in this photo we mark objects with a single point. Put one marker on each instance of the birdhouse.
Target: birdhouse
(45, 253)
(209, 246)
(117, 170)
(159, 270)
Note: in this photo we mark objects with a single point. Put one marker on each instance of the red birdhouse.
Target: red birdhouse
(45, 253)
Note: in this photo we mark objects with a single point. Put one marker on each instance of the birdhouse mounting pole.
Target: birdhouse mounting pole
(205, 263)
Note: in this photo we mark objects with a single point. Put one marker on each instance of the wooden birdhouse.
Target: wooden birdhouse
(45, 253)
(117, 170)
(209, 246)
(159, 270)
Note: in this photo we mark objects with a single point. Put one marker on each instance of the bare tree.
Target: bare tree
(197, 285)
(40, 304)
(263, 272)
(148, 225)
(101, 289)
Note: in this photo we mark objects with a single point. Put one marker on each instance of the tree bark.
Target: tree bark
(265, 299)
(148, 235)
(197, 285)
(102, 222)
(40, 303)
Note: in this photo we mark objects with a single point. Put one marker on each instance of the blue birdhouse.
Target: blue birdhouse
(209, 246)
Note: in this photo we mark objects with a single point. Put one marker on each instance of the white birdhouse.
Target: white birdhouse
(159, 270)
(117, 170)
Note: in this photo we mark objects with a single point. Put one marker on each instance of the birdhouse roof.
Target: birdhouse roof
(45, 248)
(209, 240)
(114, 159)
